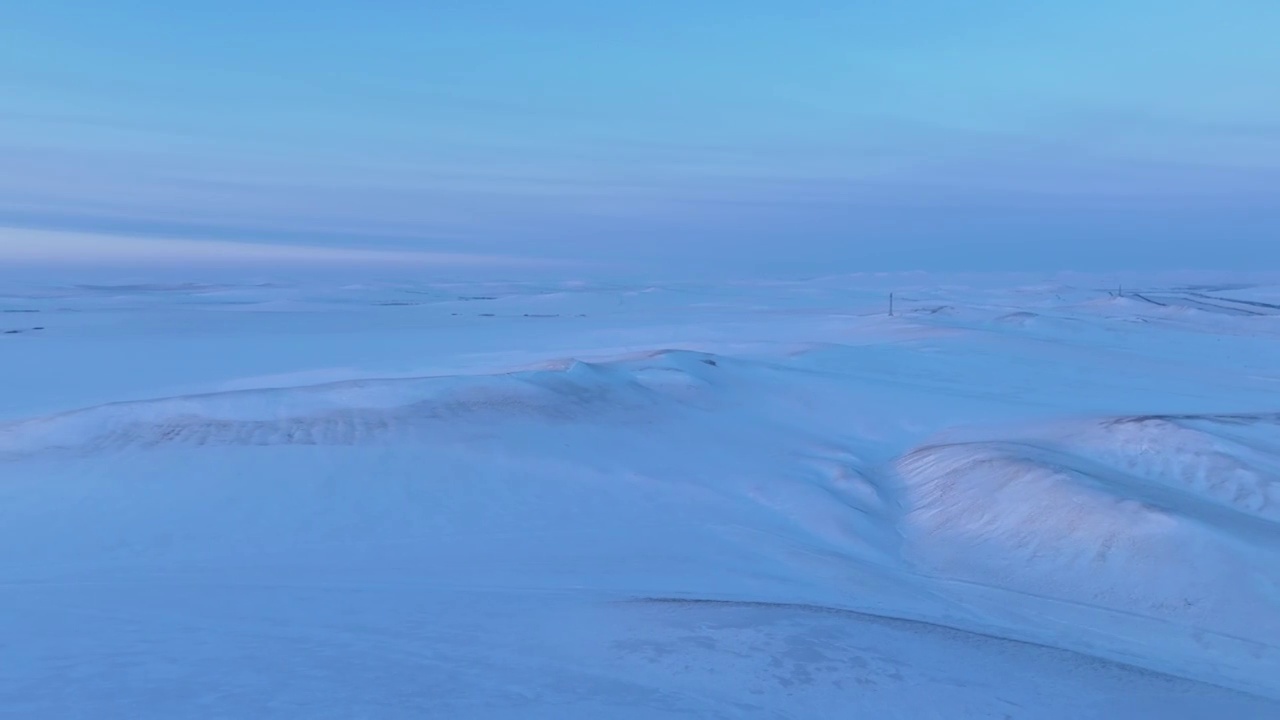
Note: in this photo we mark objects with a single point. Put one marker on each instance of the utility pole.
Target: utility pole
(890, 304)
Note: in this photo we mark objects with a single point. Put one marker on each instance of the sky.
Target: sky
(793, 136)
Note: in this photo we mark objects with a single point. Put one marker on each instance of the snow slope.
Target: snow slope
(569, 499)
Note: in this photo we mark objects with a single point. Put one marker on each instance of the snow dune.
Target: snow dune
(767, 501)
(364, 411)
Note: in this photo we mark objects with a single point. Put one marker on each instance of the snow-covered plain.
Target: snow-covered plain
(553, 500)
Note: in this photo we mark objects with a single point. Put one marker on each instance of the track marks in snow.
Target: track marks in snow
(806, 649)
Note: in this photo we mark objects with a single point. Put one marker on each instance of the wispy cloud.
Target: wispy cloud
(21, 245)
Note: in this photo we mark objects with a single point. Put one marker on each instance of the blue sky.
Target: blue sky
(792, 136)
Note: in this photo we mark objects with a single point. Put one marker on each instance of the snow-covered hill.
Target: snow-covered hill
(571, 500)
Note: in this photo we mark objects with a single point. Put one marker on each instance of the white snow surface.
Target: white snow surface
(555, 500)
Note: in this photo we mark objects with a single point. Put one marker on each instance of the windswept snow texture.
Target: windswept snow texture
(517, 500)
